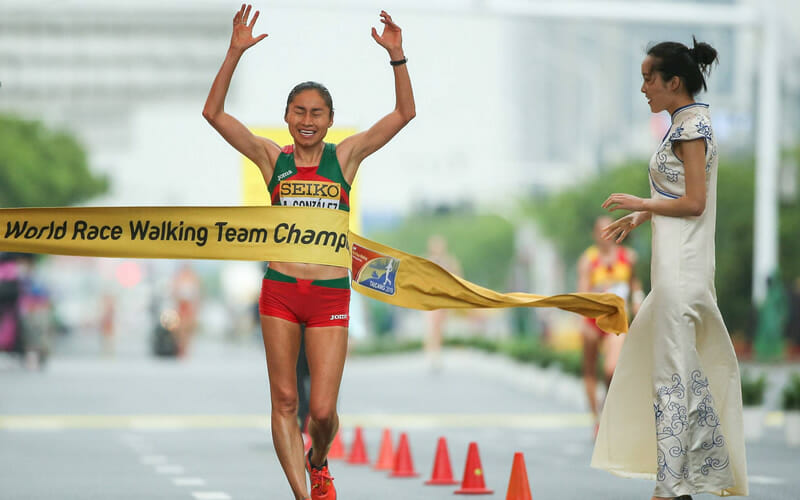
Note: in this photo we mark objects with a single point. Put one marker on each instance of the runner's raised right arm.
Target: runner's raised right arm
(259, 150)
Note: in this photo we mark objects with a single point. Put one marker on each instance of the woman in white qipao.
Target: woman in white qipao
(674, 408)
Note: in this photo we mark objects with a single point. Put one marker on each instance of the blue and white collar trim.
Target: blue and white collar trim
(692, 105)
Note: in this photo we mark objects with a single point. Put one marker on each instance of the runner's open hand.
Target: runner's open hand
(242, 37)
(391, 39)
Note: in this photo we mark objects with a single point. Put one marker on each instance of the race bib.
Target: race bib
(318, 194)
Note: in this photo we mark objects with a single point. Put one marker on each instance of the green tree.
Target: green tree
(789, 229)
(567, 217)
(483, 244)
(40, 166)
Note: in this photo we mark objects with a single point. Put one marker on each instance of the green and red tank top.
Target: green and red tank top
(321, 186)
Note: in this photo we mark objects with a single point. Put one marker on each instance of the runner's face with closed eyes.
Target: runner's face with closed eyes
(309, 118)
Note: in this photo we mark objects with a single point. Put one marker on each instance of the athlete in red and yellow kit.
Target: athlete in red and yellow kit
(605, 267)
(307, 173)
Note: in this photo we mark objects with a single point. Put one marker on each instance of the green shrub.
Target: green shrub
(479, 343)
(791, 394)
(572, 362)
(386, 346)
(524, 351)
(753, 389)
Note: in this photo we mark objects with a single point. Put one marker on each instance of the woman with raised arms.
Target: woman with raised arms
(311, 294)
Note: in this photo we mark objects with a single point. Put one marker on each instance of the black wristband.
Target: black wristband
(399, 62)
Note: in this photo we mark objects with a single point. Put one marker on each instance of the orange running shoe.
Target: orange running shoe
(321, 481)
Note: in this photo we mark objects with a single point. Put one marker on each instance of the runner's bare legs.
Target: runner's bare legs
(591, 347)
(326, 349)
(282, 345)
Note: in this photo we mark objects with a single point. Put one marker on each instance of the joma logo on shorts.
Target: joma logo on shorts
(338, 316)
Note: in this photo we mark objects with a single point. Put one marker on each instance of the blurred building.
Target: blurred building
(507, 104)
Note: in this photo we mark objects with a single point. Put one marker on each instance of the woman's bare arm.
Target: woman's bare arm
(259, 150)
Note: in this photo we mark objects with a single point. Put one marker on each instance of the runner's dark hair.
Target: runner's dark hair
(320, 88)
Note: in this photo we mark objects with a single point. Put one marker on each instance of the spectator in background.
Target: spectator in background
(10, 292)
(107, 310)
(772, 318)
(605, 267)
(438, 254)
(186, 292)
(793, 325)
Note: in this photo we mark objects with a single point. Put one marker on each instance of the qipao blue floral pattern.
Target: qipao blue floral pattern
(666, 169)
(674, 134)
(683, 417)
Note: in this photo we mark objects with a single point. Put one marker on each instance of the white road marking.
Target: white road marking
(211, 495)
(774, 419)
(486, 420)
(132, 439)
(170, 469)
(139, 446)
(40, 425)
(189, 481)
(766, 480)
(255, 421)
(154, 459)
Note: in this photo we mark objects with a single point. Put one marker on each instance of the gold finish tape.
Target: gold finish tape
(286, 234)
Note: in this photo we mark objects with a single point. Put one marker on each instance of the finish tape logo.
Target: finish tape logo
(374, 270)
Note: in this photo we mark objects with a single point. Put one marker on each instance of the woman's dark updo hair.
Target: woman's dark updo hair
(692, 66)
(323, 92)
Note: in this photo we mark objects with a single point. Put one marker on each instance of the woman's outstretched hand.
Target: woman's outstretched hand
(621, 201)
(242, 37)
(392, 38)
(621, 228)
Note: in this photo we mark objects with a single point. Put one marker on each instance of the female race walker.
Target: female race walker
(311, 294)
(674, 408)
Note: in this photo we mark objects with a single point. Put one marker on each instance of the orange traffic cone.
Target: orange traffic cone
(358, 452)
(518, 487)
(403, 464)
(385, 455)
(473, 483)
(337, 448)
(442, 472)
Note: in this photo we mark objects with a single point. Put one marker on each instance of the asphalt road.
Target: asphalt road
(135, 427)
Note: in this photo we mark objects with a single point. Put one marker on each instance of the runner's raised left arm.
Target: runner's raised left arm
(355, 148)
